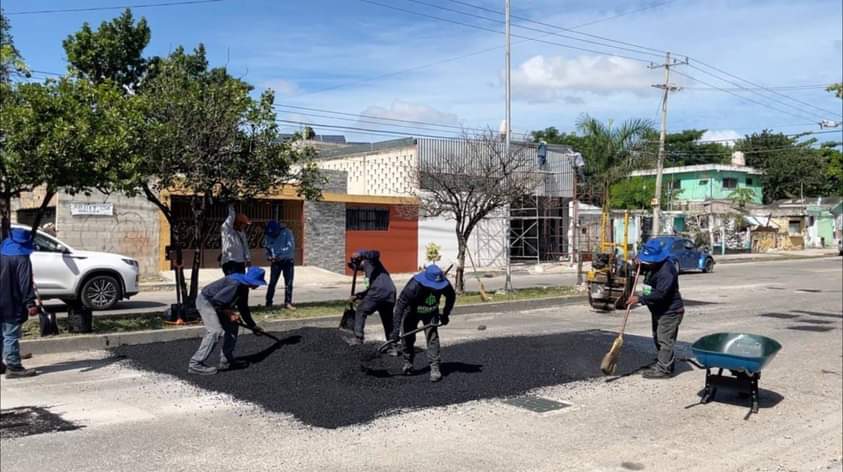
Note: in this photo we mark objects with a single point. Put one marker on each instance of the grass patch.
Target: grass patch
(148, 321)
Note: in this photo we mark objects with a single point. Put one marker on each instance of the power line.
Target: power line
(121, 7)
(358, 129)
(783, 87)
(764, 88)
(469, 25)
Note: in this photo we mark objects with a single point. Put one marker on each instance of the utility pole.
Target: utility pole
(508, 130)
(667, 88)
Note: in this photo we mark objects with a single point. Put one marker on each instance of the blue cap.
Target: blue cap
(432, 277)
(19, 243)
(273, 228)
(654, 251)
(254, 277)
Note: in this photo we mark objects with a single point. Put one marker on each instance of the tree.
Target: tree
(610, 152)
(742, 196)
(469, 181)
(66, 135)
(11, 62)
(632, 194)
(792, 168)
(113, 52)
(684, 149)
(837, 89)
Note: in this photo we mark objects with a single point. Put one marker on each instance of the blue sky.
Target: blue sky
(323, 53)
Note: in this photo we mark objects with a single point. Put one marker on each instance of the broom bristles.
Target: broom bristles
(610, 360)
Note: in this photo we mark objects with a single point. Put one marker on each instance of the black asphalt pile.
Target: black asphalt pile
(29, 420)
(322, 381)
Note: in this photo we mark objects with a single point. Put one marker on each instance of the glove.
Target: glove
(353, 299)
(444, 320)
(33, 310)
(232, 315)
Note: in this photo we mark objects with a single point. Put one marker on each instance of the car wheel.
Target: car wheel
(709, 266)
(100, 292)
(678, 267)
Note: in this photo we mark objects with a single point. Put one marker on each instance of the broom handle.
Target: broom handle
(628, 306)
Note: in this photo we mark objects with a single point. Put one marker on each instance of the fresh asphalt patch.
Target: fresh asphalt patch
(322, 381)
(29, 420)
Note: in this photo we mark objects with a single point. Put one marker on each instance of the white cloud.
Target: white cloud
(403, 110)
(284, 87)
(546, 79)
(726, 136)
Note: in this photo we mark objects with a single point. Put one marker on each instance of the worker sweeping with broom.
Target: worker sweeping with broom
(661, 295)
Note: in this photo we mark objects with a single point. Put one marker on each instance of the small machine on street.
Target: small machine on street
(744, 355)
(610, 280)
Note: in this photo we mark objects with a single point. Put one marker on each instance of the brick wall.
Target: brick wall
(133, 230)
(324, 235)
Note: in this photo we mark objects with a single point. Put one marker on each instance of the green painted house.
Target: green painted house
(704, 182)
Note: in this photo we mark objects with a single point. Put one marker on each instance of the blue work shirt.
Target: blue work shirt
(281, 247)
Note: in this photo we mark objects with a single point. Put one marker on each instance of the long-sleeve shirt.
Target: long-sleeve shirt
(416, 297)
(663, 287)
(281, 247)
(381, 288)
(16, 291)
(227, 293)
(235, 245)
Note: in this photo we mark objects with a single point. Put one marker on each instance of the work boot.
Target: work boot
(269, 304)
(355, 341)
(407, 368)
(201, 369)
(656, 374)
(19, 372)
(290, 307)
(233, 365)
(2, 368)
(435, 373)
(393, 351)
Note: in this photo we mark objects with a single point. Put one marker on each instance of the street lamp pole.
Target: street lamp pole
(508, 131)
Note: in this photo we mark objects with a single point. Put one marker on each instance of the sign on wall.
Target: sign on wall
(94, 209)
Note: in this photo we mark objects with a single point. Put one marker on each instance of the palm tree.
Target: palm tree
(610, 151)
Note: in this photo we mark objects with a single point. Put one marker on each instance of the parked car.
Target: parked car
(97, 279)
(686, 255)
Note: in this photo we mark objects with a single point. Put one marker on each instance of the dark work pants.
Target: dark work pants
(411, 322)
(278, 268)
(232, 267)
(665, 332)
(366, 307)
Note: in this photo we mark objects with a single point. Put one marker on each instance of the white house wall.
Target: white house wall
(390, 172)
(486, 242)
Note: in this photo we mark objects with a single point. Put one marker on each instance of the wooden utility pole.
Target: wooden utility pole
(667, 88)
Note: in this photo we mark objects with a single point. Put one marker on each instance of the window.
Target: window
(45, 244)
(367, 219)
(704, 182)
(749, 181)
(730, 182)
(794, 227)
(678, 246)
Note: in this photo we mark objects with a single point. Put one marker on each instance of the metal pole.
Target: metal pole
(508, 130)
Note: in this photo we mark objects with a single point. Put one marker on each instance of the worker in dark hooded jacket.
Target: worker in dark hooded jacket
(17, 299)
(419, 302)
(378, 296)
(216, 304)
(662, 297)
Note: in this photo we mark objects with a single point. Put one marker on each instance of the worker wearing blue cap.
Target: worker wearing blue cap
(662, 297)
(17, 299)
(216, 304)
(419, 302)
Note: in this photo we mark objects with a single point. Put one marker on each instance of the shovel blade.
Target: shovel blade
(347, 321)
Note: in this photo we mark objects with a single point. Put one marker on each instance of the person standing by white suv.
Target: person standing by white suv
(17, 299)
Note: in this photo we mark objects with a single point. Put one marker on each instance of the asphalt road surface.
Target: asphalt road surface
(138, 418)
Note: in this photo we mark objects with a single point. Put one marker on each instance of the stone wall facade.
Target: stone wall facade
(324, 235)
(133, 229)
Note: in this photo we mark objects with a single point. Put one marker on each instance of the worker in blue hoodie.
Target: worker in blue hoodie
(216, 304)
(662, 297)
(280, 247)
(378, 296)
(17, 299)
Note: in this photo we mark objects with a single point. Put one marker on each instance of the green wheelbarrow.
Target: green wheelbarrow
(743, 355)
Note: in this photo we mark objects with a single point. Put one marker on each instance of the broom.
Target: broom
(610, 360)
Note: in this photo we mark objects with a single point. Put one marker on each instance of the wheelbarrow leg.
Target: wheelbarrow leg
(755, 392)
(710, 391)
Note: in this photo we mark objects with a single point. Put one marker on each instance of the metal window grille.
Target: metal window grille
(729, 182)
(367, 219)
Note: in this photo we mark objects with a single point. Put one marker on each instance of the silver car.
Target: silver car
(97, 279)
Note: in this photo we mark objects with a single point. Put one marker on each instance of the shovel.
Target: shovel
(263, 333)
(386, 345)
(347, 321)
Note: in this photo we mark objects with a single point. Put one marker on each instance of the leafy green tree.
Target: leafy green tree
(11, 62)
(742, 196)
(67, 135)
(684, 149)
(112, 52)
(792, 168)
(837, 89)
(633, 193)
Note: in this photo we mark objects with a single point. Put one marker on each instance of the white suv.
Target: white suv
(98, 279)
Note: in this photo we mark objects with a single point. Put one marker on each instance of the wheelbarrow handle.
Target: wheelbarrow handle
(385, 345)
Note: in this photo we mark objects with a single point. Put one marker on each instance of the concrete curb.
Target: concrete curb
(772, 259)
(90, 342)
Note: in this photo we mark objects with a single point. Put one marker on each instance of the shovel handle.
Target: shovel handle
(263, 333)
(385, 345)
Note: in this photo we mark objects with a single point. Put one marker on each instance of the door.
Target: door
(54, 267)
(691, 255)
